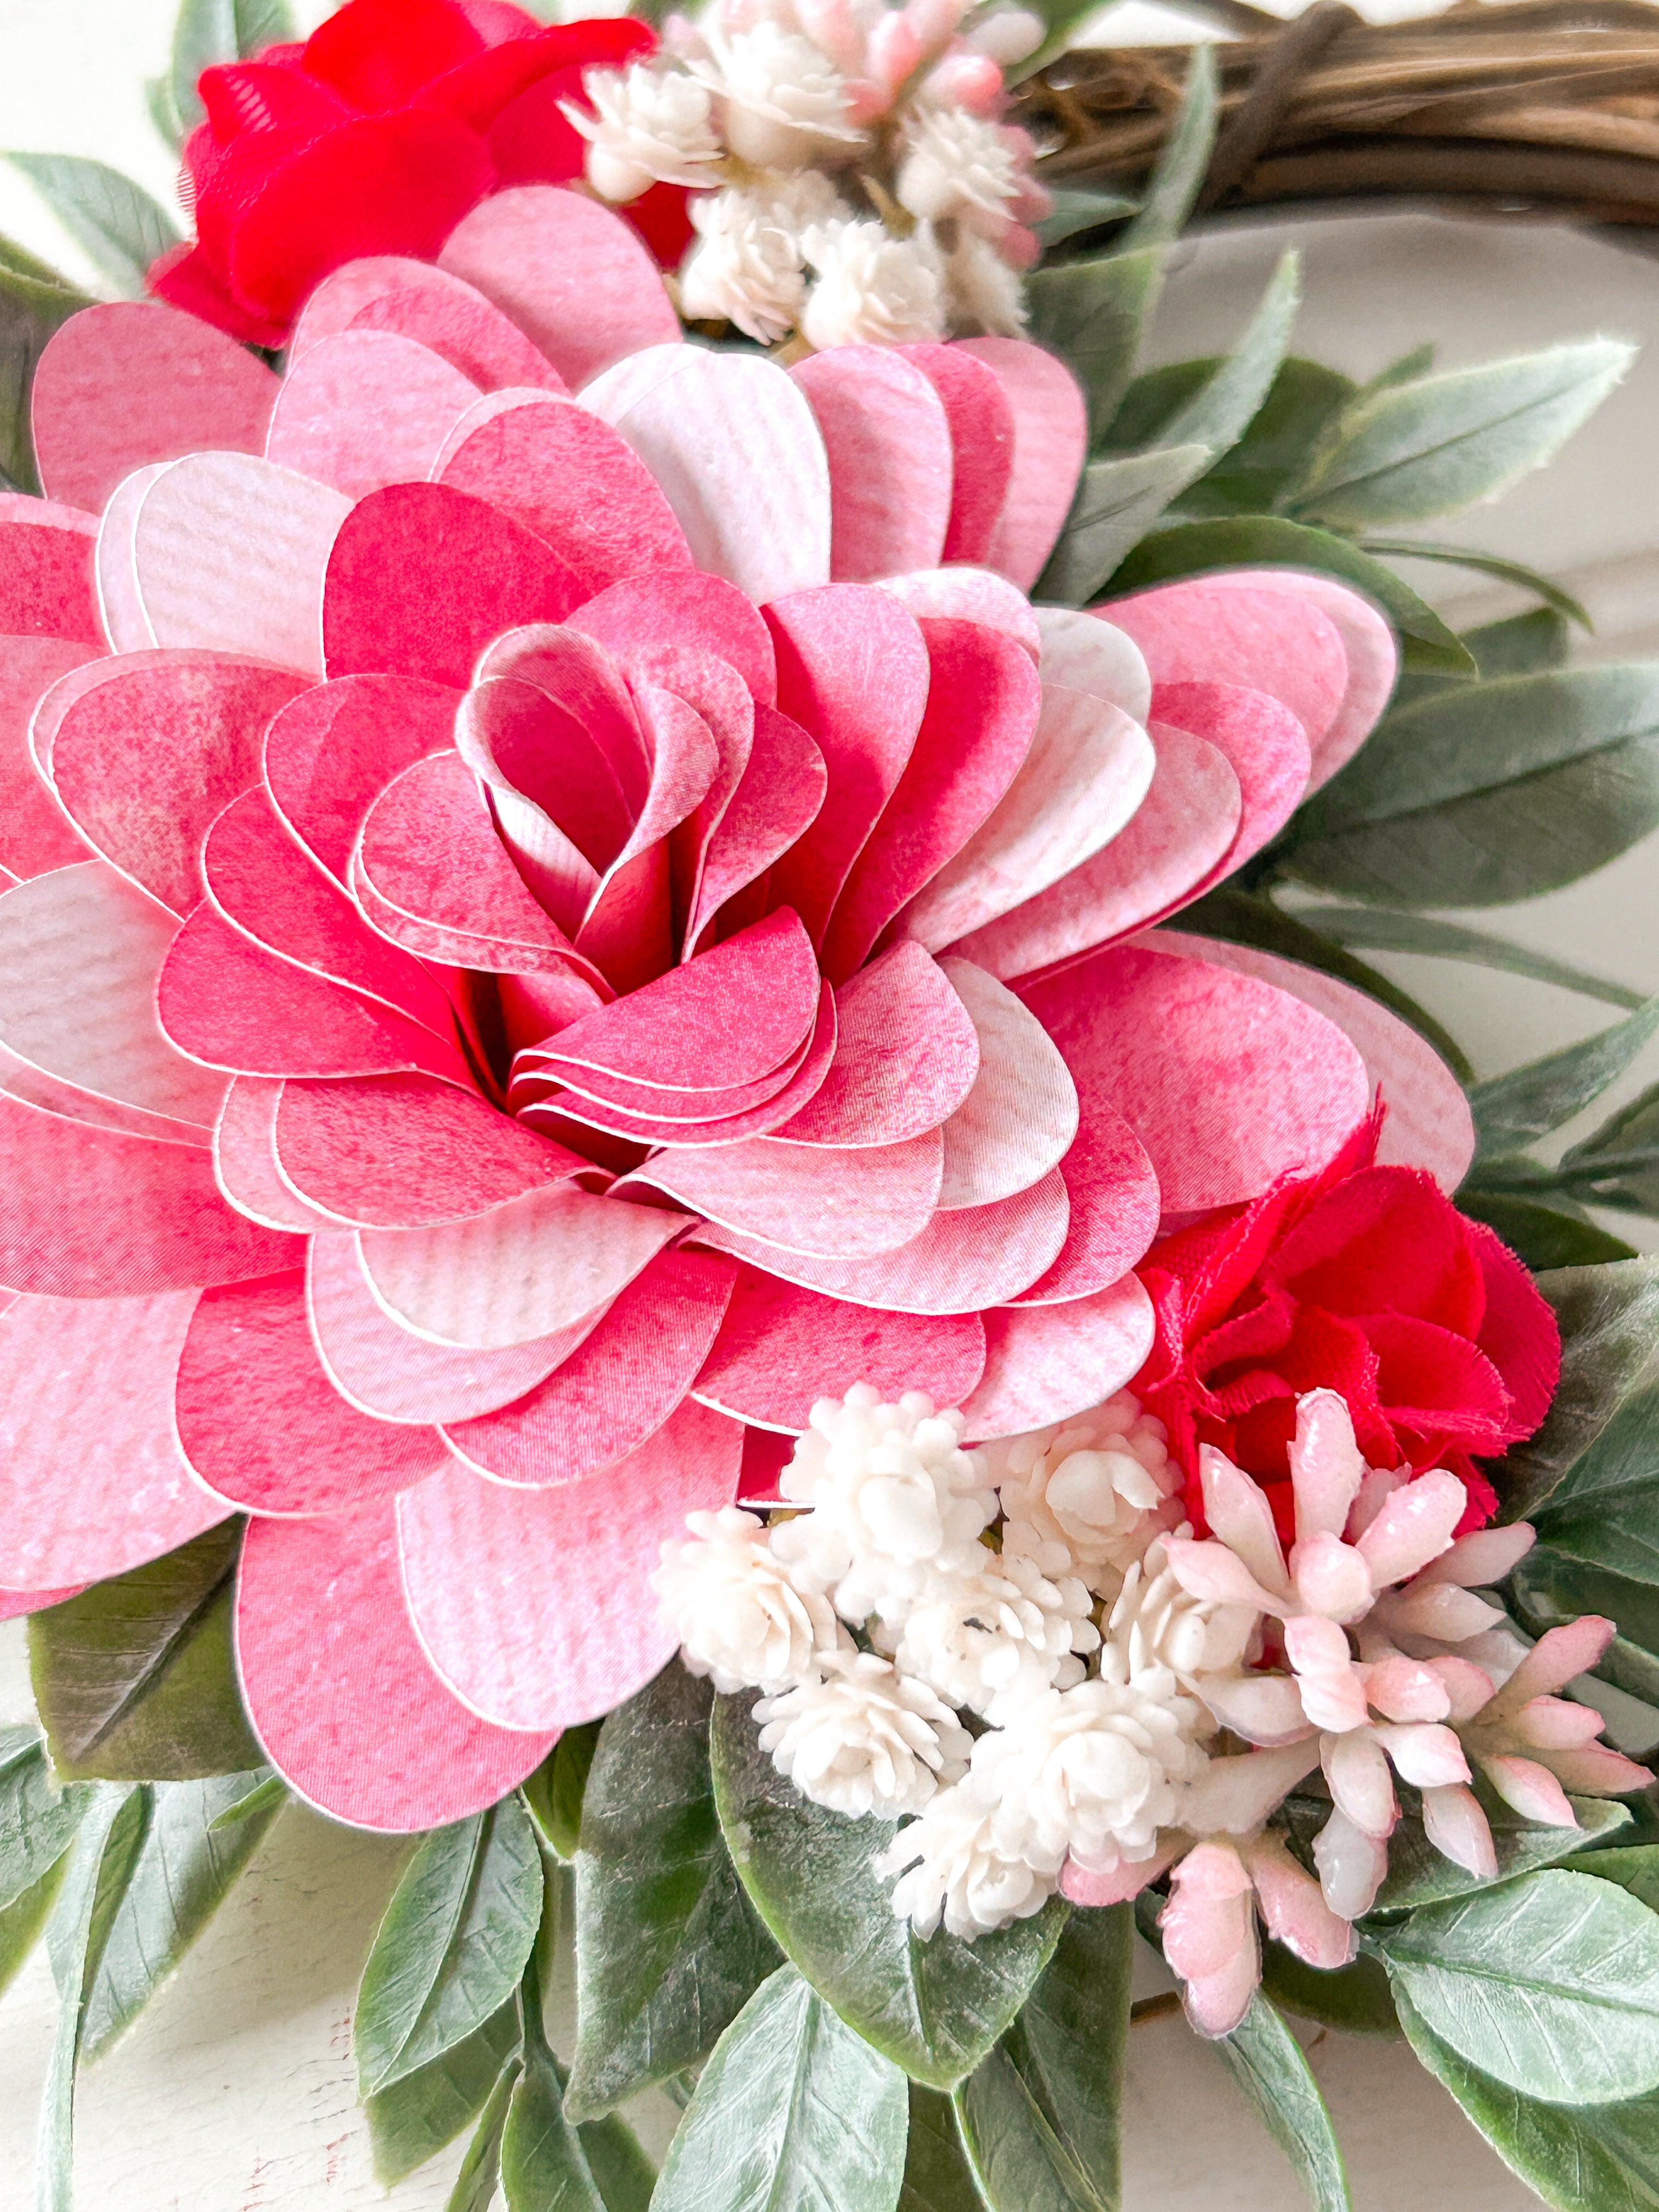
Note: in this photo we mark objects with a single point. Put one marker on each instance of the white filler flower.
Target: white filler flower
(957, 1872)
(747, 267)
(652, 126)
(1098, 1488)
(785, 101)
(863, 1739)
(873, 289)
(739, 1618)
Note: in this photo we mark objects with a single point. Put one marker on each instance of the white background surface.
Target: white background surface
(235, 2093)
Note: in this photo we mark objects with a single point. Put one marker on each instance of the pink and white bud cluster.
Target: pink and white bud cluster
(1369, 1656)
(923, 228)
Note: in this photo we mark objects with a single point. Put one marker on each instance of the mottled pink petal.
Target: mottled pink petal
(888, 439)
(1414, 1526)
(1457, 1828)
(1045, 1363)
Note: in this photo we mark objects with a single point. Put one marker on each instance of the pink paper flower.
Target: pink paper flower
(567, 906)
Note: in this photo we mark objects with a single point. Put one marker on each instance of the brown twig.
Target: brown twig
(1158, 2007)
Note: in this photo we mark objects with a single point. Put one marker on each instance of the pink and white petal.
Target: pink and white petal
(1428, 1123)
(1179, 834)
(1352, 1864)
(980, 419)
(1085, 775)
(1082, 651)
(1125, 1880)
(146, 750)
(774, 805)
(1114, 1198)
(574, 278)
(379, 1367)
(79, 952)
(1050, 440)
(260, 1422)
(132, 382)
(970, 595)
(92, 1481)
(1240, 1515)
(1413, 1526)
(536, 1606)
(333, 748)
(230, 552)
(34, 836)
(579, 677)
(1483, 1556)
(613, 1390)
(1531, 1790)
(385, 292)
(1455, 1824)
(734, 447)
(91, 1213)
(1596, 1770)
(888, 439)
(806, 1198)
(907, 1056)
(1294, 1908)
(244, 1158)
(1402, 1689)
(126, 625)
(1368, 644)
(1020, 1119)
(782, 1348)
(521, 1271)
(1262, 1709)
(961, 1262)
(365, 408)
(853, 672)
(1559, 1655)
(1327, 1465)
(1228, 1082)
(1045, 1363)
(339, 1691)
(1235, 1794)
(1357, 1770)
(648, 614)
(1424, 1753)
(676, 1108)
(1263, 739)
(1331, 1581)
(1557, 1724)
(48, 585)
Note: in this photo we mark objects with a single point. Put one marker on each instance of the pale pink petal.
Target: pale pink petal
(970, 595)
(1352, 1865)
(367, 408)
(534, 1605)
(1483, 1557)
(1240, 1516)
(1294, 1908)
(126, 624)
(1209, 1912)
(1457, 1828)
(981, 425)
(1468, 1688)
(339, 1692)
(885, 432)
(1404, 1689)
(1597, 1770)
(1531, 1790)
(1266, 744)
(1263, 1709)
(1357, 1770)
(1556, 1724)
(806, 1198)
(1331, 1577)
(1215, 1572)
(1084, 652)
(1114, 1198)
(1126, 1880)
(1369, 648)
(385, 292)
(1021, 1116)
(245, 1158)
(907, 1055)
(1235, 1794)
(1315, 1645)
(1559, 1655)
(1326, 1466)
(331, 750)
(1414, 1526)
(1045, 1363)
(1429, 1756)
(1050, 439)
(1440, 1610)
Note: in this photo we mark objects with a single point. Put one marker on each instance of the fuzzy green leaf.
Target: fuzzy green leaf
(1218, 415)
(134, 1678)
(1543, 1236)
(1382, 929)
(1076, 210)
(937, 2175)
(547, 2163)
(1557, 601)
(118, 225)
(1273, 453)
(209, 31)
(1548, 1589)
(38, 1820)
(668, 1949)
(1514, 1109)
(23, 1919)
(182, 1876)
(1618, 1164)
(1495, 792)
(1549, 1984)
(453, 1944)
(1268, 541)
(554, 1791)
(1605, 1509)
(1609, 1323)
(1178, 175)
(414, 2118)
(1266, 2061)
(1116, 502)
(934, 2007)
(267, 1796)
(1437, 445)
(1092, 314)
(481, 2169)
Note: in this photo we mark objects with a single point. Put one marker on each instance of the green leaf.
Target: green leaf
(1354, 1998)
(937, 2175)
(116, 222)
(134, 1680)
(1271, 457)
(1116, 500)
(158, 105)
(269, 1795)
(1018, 2161)
(793, 2113)
(31, 309)
(1238, 917)
(453, 1944)
(1489, 793)
(38, 1820)
(210, 31)
(1636, 1870)
(481, 2168)
(1406, 370)
(1605, 1509)
(1556, 600)
(1431, 447)
(1549, 1984)
(554, 1791)
(1075, 211)
(1178, 177)
(1266, 2061)
(1092, 313)
(181, 1878)
(1068, 2045)
(1618, 1164)
(1548, 1589)
(935, 2007)
(413, 2119)
(1602, 2160)
(1267, 541)
(1218, 415)
(549, 2165)
(1384, 930)
(1543, 1237)
(1609, 1323)
(1419, 1875)
(100, 1865)
(22, 1920)
(668, 1949)
(1516, 1109)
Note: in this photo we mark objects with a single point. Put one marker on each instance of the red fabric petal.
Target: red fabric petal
(662, 216)
(380, 53)
(185, 278)
(480, 89)
(1519, 1333)
(1386, 1241)
(1435, 1382)
(263, 95)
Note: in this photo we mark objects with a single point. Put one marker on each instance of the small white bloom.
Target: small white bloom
(863, 1739)
(993, 1638)
(747, 267)
(1093, 1772)
(1101, 1487)
(1155, 1623)
(737, 1614)
(873, 289)
(987, 293)
(1007, 35)
(956, 165)
(785, 101)
(652, 126)
(957, 1871)
(894, 1500)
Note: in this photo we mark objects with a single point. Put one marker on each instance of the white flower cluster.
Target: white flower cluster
(978, 1583)
(854, 182)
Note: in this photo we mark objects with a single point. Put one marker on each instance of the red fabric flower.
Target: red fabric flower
(376, 137)
(1362, 1278)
